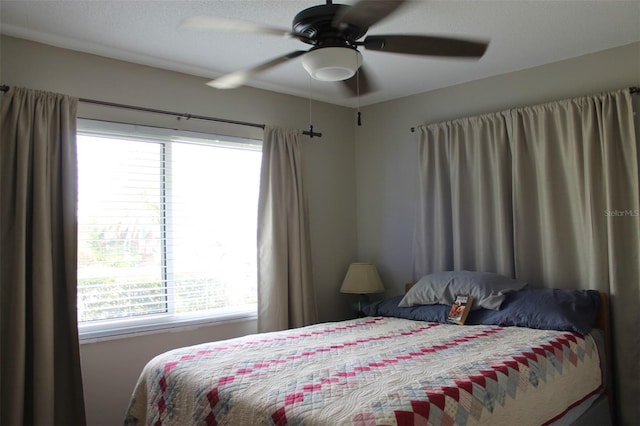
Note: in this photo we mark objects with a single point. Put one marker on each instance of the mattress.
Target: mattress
(372, 371)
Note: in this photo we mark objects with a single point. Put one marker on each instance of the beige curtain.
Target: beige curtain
(570, 169)
(286, 295)
(41, 381)
(463, 220)
(576, 207)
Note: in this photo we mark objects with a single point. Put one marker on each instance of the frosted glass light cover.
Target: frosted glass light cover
(332, 63)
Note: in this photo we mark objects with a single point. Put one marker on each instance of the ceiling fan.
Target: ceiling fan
(335, 31)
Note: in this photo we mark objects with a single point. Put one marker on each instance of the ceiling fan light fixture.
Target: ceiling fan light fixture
(332, 63)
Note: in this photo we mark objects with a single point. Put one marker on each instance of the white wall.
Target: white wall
(110, 368)
(386, 150)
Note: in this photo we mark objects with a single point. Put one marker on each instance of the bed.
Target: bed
(380, 370)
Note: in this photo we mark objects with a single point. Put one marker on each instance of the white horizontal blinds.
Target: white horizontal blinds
(212, 225)
(167, 225)
(119, 229)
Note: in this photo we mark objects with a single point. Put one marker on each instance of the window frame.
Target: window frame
(166, 321)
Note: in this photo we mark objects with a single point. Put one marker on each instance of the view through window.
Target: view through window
(166, 228)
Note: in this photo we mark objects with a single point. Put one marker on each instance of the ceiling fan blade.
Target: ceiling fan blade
(213, 23)
(366, 13)
(361, 83)
(426, 45)
(238, 78)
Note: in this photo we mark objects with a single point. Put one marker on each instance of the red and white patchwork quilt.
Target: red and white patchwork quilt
(371, 371)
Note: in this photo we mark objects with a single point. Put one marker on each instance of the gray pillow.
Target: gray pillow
(486, 288)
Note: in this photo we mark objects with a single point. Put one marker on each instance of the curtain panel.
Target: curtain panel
(286, 296)
(548, 194)
(464, 164)
(575, 165)
(41, 379)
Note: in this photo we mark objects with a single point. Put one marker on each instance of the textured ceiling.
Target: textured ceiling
(522, 34)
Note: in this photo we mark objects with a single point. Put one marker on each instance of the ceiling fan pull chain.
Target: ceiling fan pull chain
(358, 96)
(310, 108)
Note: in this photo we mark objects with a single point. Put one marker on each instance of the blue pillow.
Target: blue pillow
(544, 308)
(389, 308)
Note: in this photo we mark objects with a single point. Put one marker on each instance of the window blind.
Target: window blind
(166, 226)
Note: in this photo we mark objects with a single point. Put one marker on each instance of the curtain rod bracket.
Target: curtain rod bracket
(311, 133)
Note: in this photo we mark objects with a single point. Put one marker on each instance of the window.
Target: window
(166, 228)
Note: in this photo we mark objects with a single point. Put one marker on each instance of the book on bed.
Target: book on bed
(460, 309)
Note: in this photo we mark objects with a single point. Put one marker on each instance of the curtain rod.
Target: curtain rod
(633, 90)
(310, 132)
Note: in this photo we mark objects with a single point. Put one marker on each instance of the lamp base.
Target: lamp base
(360, 304)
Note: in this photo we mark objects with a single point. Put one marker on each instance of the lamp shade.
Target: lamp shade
(332, 63)
(362, 278)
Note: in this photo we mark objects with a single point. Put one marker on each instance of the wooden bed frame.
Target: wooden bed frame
(602, 322)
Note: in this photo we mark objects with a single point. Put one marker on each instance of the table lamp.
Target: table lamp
(362, 279)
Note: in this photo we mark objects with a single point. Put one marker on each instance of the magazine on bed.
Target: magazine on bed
(460, 309)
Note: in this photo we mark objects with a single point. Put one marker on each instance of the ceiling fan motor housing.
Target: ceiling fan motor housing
(334, 56)
(316, 23)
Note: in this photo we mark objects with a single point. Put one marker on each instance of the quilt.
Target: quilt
(371, 371)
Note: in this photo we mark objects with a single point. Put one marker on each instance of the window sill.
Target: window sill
(88, 337)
